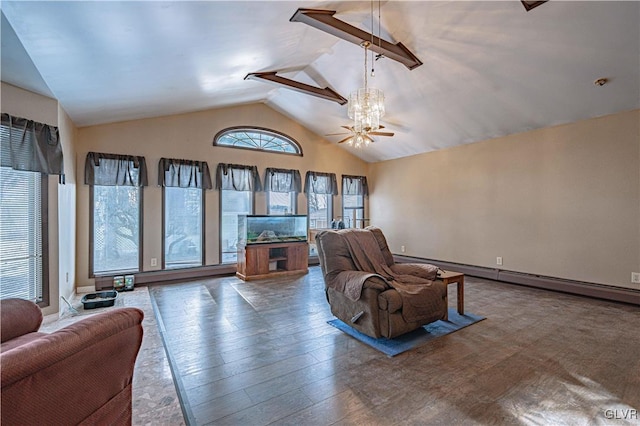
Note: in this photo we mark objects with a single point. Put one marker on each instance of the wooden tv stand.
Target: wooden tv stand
(256, 261)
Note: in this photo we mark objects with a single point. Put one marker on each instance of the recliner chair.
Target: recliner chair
(378, 311)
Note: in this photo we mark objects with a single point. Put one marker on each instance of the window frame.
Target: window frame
(263, 130)
(202, 234)
(92, 273)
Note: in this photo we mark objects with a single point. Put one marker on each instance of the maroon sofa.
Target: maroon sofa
(80, 374)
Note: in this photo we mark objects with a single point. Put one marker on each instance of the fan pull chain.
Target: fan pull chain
(373, 71)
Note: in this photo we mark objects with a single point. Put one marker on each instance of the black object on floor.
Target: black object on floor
(100, 299)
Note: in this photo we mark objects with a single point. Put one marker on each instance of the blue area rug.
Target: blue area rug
(413, 339)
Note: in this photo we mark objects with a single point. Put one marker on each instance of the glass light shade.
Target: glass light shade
(359, 140)
(366, 106)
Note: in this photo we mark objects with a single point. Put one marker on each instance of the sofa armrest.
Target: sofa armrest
(390, 301)
(351, 283)
(422, 270)
(66, 376)
(18, 317)
(376, 283)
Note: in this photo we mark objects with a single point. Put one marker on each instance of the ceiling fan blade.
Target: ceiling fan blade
(381, 133)
(345, 139)
(349, 128)
(369, 138)
(336, 134)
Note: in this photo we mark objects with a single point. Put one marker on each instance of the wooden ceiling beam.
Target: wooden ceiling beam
(271, 77)
(325, 21)
(530, 4)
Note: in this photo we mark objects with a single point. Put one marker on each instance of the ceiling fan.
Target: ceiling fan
(364, 135)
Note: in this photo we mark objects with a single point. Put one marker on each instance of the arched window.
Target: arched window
(257, 138)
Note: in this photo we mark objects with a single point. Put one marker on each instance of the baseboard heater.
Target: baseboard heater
(143, 278)
(474, 271)
(600, 291)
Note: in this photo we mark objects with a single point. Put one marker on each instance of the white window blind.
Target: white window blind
(183, 213)
(116, 229)
(21, 234)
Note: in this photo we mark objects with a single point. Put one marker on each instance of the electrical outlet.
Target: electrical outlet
(635, 277)
(498, 260)
(403, 249)
(154, 261)
(67, 276)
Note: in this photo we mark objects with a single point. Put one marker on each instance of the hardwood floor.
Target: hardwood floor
(261, 352)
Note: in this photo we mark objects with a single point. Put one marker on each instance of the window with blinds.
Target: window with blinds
(354, 189)
(183, 227)
(282, 187)
(320, 188)
(116, 183)
(116, 213)
(23, 235)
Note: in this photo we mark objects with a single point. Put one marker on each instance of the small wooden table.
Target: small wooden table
(451, 277)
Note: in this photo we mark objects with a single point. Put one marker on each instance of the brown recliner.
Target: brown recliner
(378, 311)
(81, 374)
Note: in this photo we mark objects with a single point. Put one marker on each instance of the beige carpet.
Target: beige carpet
(155, 400)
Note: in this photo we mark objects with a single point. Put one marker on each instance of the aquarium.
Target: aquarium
(263, 229)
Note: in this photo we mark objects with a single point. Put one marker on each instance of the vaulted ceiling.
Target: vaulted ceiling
(489, 68)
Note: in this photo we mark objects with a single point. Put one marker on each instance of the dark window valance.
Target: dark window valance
(30, 146)
(237, 177)
(320, 183)
(184, 173)
(355, 185)
(115, 170)
(282, 180)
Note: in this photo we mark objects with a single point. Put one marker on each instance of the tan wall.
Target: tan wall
(67, 207)
(562, 201)
(190, 136)
(22, 103)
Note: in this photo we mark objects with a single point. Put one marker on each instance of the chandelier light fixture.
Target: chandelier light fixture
(366, 104)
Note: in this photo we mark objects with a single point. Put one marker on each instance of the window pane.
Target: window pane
(281, 203)
(320, 213)
(353, 211)
(232, 203)
(20, 235)
(353, 201)
(182, 227)
(116, 222)
(319, 208)
(352, 218)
